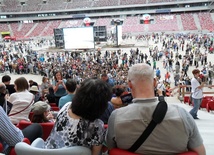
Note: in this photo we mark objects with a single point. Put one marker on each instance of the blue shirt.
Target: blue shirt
(61, 91)
(65, 99)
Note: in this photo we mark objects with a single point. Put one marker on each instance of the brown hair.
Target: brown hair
(21, 84)
(195, 71)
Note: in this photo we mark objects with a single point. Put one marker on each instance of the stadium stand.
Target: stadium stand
(21, 29)
(132, 24)
(188, 22)
(32, 5)
(38, 29)
(164, 23)
(4, 27)
(11, 6)
(206, 21)
(48, 31)
(131, 2)
(79, 4)
(103, 22)
(70, 23)
(101, 3)
(54, 5)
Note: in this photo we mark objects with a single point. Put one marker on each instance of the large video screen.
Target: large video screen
(78, 38)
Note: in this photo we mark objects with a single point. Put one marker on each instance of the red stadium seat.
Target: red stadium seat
(204, 103)
(55, 108)
(12, 152)
(186, 99)
(117, 151)
(46, 127)
(210, 105)
(1, 147)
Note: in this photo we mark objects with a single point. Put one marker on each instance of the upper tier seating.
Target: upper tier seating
(100, 3)
(79, 4)
(131, 2)
(54, 5)
(164, 23)
(11, 6)
(70, 23)
(188, 22)
(32, 5)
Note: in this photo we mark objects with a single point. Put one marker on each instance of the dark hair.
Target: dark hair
(5, 78)
(118, 90)
(71, 85)
(39, 118)
(91, 99)
(21, 84)
(57, 73)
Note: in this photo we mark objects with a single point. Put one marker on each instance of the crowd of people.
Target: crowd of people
(90, 88)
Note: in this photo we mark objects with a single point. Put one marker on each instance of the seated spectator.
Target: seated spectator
(105, 116)
(33, 83)
(10, 87)
(10, 135)
(41, 113)
(22, 101)
(70, 87)
(50, 96)
(126, 124)
(35, 91)
(77, 123)
(116, 101)
(44, 86)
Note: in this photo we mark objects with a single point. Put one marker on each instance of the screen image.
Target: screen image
(78, 38)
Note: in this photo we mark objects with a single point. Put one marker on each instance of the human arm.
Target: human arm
(8, 132)
(110, 135)
(195, 142)
(200, 150)
(96, 149)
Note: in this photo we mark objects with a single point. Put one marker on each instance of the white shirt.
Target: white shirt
(196, 92)
(20, 101)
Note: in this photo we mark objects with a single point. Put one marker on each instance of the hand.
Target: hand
(50, 116)
(159, 92)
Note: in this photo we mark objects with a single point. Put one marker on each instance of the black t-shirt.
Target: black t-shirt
(10, 88)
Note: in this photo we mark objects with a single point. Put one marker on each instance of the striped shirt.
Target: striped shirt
(10, 135)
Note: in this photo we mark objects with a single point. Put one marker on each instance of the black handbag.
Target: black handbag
(157, 117)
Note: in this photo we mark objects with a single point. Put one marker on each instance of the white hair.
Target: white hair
(141, 72)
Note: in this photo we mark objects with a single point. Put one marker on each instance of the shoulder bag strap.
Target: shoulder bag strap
(22, 109)
(157, 117)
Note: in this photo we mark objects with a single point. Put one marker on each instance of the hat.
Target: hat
(34, 88)
(40, 107)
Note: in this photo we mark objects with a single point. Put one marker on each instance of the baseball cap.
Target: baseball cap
(40, 107)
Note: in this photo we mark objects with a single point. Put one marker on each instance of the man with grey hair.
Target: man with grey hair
(177, 133)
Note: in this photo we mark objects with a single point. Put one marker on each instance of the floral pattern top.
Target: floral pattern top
(74, 132)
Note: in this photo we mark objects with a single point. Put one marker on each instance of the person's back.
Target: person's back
(177, 133)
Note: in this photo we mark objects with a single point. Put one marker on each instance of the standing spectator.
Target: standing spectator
(59, 87)
(177, 121)
(105, 78)
(70, 87)
(10, 87)
(197, 93)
